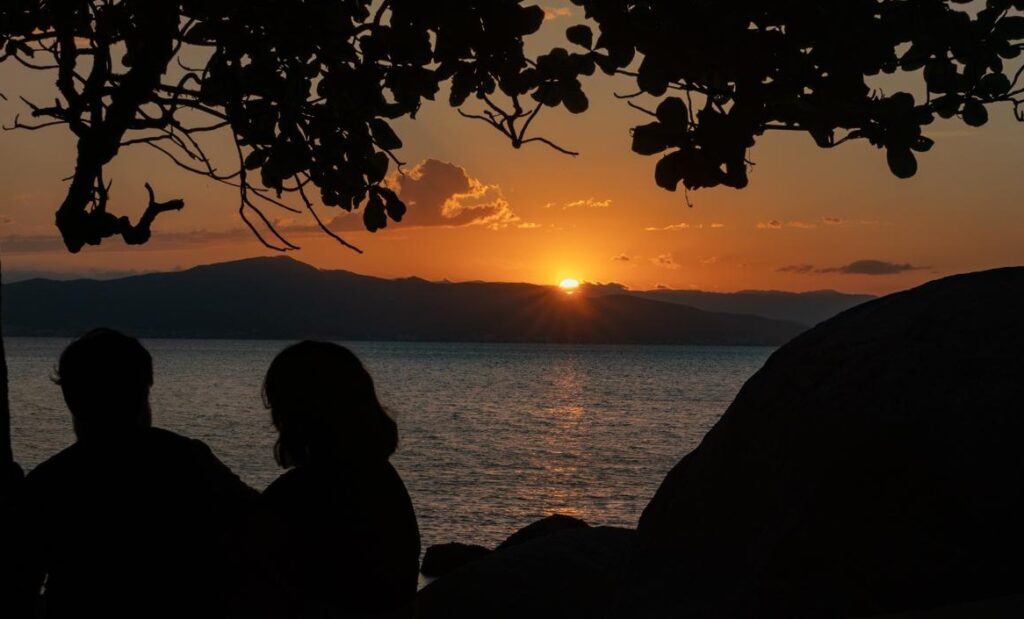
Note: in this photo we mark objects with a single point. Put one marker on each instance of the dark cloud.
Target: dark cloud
(602, 289)
(438, 193)
(666, 261)
(872, 267)
(859, 267)
(621, 258)
(797, 268)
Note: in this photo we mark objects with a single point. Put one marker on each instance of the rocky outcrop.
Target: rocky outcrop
(443, 559)
(572, 572)
(545, 526)
(874, 465)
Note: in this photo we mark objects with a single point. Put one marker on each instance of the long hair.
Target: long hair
(323, 403)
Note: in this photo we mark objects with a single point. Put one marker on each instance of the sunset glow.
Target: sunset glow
(481, 210)
(569, 285)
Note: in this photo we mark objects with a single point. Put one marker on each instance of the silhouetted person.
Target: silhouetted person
(129, 521)
(345, 539)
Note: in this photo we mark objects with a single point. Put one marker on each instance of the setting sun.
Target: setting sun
(569, 285)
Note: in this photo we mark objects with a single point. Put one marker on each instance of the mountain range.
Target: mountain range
(281, 298)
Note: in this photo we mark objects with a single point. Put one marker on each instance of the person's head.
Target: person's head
(105, 377)
(325, 408)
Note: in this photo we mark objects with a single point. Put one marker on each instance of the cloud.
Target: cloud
(709, 261)
(797, 268)
(679, 226)
(683, 226)
(438, 193)
(859, 267)
(597, 288)
(775, 224)
(621, 258)
(872, 267)
(588, 203)
(554, 12)
(666, 261)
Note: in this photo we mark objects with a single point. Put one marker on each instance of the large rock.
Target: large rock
(443, 559)
(572, 572)
(545, 526)
(875, 464)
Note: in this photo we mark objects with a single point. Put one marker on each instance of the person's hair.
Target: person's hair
(323, 403)
(105, 377)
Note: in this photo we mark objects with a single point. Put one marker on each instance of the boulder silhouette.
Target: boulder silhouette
(443, 559)
(572, 572)
(874, 465)
(545, 526)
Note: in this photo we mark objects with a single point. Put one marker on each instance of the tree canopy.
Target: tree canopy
(307, 89)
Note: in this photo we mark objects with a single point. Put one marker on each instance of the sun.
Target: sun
(569, 285)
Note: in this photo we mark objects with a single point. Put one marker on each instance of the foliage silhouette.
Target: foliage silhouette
(307, 89)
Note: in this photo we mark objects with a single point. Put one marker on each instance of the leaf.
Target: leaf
(384, 135)
(650, 139)
(946, 106)
(377, 167)
(581, 35)
(394, 206)
(575, 101)
(548, 94)
(995, 84)
(902, 162)
(1010, 28)
(255, 159)
(531, 19)
(653, 76)
(669, 170)
(373, 214)
(673, 114)
(922, 144)
(974, 113)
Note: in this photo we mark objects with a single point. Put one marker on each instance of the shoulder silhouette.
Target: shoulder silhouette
(340, 531)
(130, 519)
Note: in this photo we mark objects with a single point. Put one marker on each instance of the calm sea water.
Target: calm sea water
(493, 436)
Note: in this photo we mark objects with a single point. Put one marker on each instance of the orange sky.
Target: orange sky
(538, 216)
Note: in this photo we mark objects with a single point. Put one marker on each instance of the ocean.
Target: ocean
(492, 436)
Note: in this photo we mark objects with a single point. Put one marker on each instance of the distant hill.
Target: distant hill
(807, 308)
(281, 298)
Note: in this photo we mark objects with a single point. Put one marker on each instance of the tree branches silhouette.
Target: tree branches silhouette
(307, 89)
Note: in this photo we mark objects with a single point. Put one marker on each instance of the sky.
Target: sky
(480, 210)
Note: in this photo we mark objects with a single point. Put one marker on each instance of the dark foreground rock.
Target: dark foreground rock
(999, 608)
(573, 572)
(874, 465)
(443, 559)
(545, 526)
